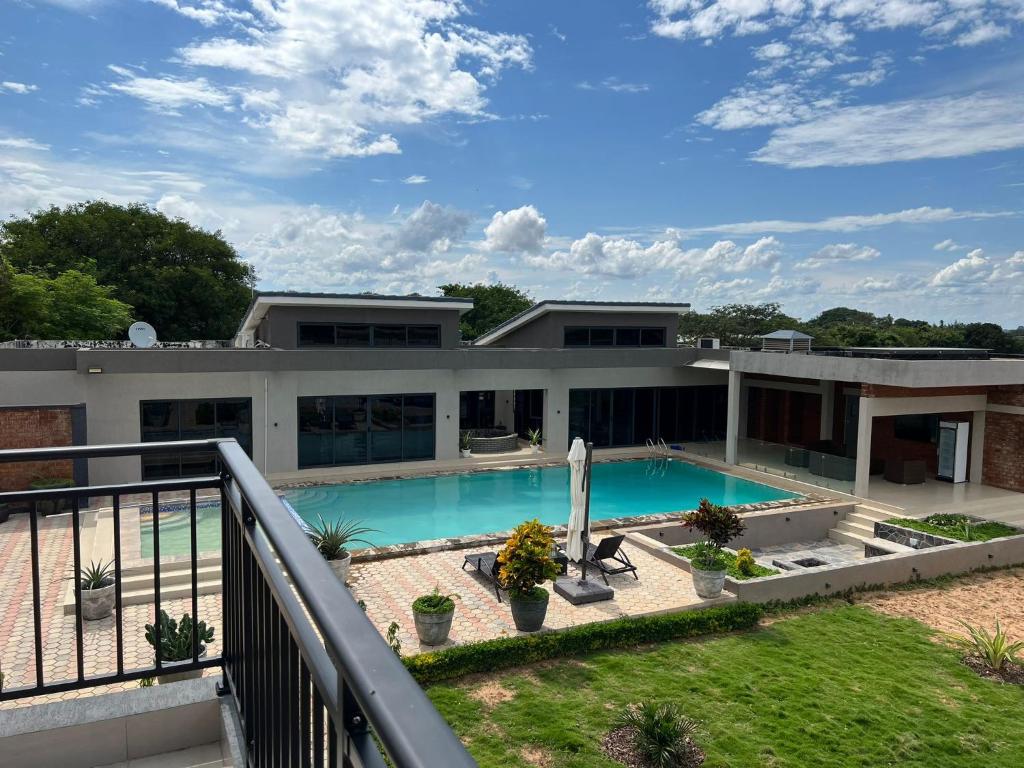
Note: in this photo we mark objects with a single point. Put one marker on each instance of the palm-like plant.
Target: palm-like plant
(333, 538)
(661, 733)
(995, 649)
(534, 435)
(96, 575)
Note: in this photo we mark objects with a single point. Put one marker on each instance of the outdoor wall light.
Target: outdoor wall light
(95, 370)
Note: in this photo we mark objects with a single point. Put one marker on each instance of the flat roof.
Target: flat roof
(908, 353)
(548, 305)
(264, 300)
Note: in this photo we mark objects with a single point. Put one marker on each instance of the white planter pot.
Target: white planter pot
(465, 452)
(341, 566)
(534, 449)
(707, 584)
(97, 603)
(175, 677)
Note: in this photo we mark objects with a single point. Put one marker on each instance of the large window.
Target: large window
(168, 420)
(629, 416)
(585, 336)
(359, 335)
(365, 429)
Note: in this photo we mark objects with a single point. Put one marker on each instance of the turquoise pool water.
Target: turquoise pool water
(418, 509)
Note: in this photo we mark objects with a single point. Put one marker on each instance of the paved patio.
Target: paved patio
(388, 587)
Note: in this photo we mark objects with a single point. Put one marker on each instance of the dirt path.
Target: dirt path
(978, 599)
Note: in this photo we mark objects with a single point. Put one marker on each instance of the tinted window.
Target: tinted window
(389, 335)
(577, 337)
(353, 335)
(316, 335)
(652, 337)
(627, 337)
(315, 444)
(171, 420)
(424, 336)
(602, 337)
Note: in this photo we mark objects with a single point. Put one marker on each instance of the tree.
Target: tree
(989, 336)
(737, 325)
(69, 306)
(492, 305)
(185, 281)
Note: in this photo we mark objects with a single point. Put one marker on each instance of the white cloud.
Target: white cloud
(614, 84)
(752, 106)
(432, 228)
(520, 230)
(947, 245)
(916, 129)
(169, 93)
(16, 142)
(871, 285)
(973, 268)
(20, 88)
(875, 74)
(839, 253)
(982, 33)
(772, 50)
(206, 12)
(850, 223)
(415, 179)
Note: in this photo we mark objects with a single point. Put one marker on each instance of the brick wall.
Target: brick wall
(882, 390)
(33, 427)
(1006, 395)
(1004, 450)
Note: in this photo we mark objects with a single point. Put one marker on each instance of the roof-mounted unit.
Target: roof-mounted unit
(709, 343)
(786, 341)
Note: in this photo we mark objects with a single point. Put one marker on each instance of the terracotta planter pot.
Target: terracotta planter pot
(707, 584)
(433, 628)
(175, 677)
(529, 615)
(98, 603)
(341, 566)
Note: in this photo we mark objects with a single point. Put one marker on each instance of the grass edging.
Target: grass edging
(507, 652)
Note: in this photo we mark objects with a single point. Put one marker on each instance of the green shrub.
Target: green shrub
(729, 563)
(993, 649)
(718, 525)
(526, 561)
(745, 563)
(661, 732)
(959, 527)
(435, 602)
(505, 652)
(176, 637)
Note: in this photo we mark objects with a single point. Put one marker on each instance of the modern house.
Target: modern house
(314, 384)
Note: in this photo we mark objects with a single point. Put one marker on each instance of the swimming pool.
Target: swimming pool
(419, 509)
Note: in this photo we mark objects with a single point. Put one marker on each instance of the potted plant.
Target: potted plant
(718, 525)
(433, 615)
(526, 564)
(97, 583)
(332, 540)
(176, 644)
(51, 506)
(535, 437)
(466, 444)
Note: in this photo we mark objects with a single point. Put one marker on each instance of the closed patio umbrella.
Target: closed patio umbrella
(578, 501)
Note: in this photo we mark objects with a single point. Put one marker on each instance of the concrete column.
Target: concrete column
(556, 420)
(828, 391)
(977, 446)
(732, 422)
(744, 403)
(446, 415)
(863, 476)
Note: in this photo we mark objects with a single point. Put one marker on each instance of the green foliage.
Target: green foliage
(718, 525)
(745, 563)
(189, 283)
(737, 325)
(70, 305)
(995, 649)
(959, 527)
(392, 638)
(146, 682)
(727, 562)
(535, 436)
(46, 483)
(333, 538)
(802, 691)
(661, 733)
(96, 575)
(628, 632)
(466, 440)
(526, 559)
(492, 305)
(435, 602)
(176, 636)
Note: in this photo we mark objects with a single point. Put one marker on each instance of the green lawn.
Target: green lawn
(841, 686)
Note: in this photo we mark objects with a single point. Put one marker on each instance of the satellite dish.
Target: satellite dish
(142, 335)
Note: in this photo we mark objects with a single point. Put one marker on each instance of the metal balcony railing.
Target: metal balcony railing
(311, 680)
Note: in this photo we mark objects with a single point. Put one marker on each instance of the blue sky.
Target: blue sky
(812, 152)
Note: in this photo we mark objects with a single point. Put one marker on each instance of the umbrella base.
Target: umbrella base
(581, 592)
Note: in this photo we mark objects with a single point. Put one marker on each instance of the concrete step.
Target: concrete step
(205, 756)
(866, 528)
(136, 590)
(846, 537)
(873, 513)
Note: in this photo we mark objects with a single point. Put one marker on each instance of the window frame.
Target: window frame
(371, 335)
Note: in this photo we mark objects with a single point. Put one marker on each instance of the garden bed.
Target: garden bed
(957, 527)
(732, 571)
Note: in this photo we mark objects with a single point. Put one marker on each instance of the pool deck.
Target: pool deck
(389, 587)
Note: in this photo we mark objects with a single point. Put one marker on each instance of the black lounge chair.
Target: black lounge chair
(610, 548)
(486, 564)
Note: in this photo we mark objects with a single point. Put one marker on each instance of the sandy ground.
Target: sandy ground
(979, 599)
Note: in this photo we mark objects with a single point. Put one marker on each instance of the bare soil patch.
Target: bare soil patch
(618, 745)
(491, 694)
(978, 599)
(537, 756)
(1010, 673)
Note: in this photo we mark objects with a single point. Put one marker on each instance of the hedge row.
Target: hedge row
(505, 652)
